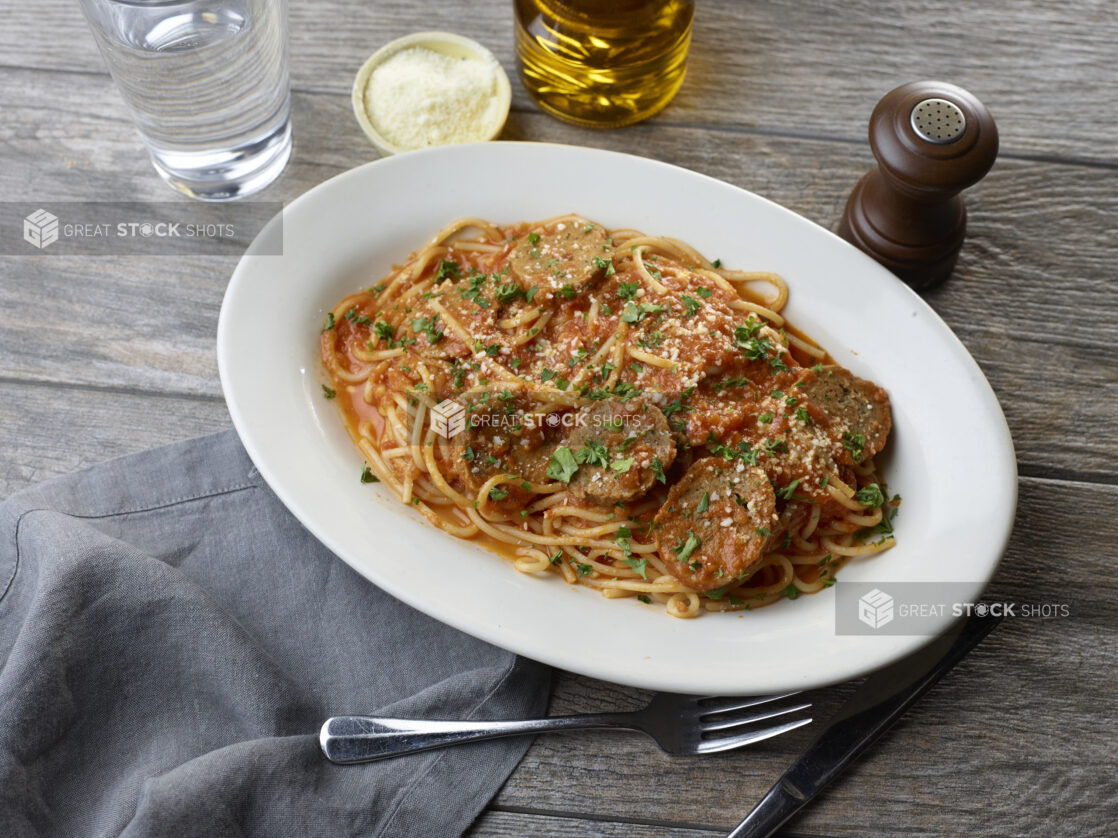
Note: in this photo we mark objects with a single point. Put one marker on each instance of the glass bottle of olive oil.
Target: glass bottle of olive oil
(602, 63)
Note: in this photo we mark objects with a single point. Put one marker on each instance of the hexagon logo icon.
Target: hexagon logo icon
(875, 609)
(40, 229)
(448, 418)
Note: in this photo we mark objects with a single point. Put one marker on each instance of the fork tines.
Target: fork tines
(720, 719)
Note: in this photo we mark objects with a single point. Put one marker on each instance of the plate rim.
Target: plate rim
(899, 645)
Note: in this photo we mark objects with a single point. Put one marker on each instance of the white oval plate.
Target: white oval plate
(950, 456)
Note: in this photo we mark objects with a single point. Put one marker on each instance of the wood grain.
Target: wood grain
(50, 430)
(106, 356)
(1032, 294)
(1007, 712)
(503, 824)
(801, 68)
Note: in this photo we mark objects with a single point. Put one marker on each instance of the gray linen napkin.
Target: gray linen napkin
(170, 641)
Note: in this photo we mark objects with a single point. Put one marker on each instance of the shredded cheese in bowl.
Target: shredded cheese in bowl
(431, 89)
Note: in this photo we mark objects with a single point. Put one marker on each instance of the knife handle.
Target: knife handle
(775, 808)
(858, 725)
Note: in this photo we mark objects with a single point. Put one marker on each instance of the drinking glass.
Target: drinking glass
(207, 84)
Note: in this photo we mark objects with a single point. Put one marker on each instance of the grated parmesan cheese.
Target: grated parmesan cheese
(420, 98)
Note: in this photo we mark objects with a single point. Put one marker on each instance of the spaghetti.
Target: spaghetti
(613, 408)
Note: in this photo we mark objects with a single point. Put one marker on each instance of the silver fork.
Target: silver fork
(680, 724)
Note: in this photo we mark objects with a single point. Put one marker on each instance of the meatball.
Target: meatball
(715, 523)
(858, 409)
(576, 254)
(506, 438)
(623, 447)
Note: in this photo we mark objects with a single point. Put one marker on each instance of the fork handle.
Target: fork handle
(350, 739)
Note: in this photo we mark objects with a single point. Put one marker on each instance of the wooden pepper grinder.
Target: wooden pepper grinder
(931, 140)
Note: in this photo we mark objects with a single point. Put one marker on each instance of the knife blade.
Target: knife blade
(875, 706)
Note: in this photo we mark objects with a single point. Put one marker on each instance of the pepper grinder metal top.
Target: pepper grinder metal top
(932, 140)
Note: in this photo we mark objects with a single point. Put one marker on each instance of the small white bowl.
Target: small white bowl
(446, 43)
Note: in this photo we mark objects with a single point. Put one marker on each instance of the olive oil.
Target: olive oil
(602, 63)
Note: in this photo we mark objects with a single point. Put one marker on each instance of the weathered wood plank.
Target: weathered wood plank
(50, 430)
(1046, 70)
(499, 824)
(980, 715)
(1032, 294)
(1019, 732)
(1014, 733)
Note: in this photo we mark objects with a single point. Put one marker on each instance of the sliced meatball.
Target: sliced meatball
(858, 409)
(790, 520)
(506, 438)
(623, 447)
(715, 523)
(576, 254)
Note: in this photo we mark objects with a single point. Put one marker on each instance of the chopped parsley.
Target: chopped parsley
(631, 314)
(787, 491)
(628, 290)
(691, 306)
(459, 373)
(855, 444)
(604, 264)
(447, 270)
(367, 475)
(473, 291)
(748, 339)
(684, 548)
(658, 470)
(533, 238)
(622, 465)
(357, 319)
(328, 392)
(871, 496)
(595, 454)
(640, 566)
(427, 325)
(329, 321)
(743, 451)
(497, 493)
(774, 446)
(704, 504)
(384, 331)
(678, 405)
(507, 292)
(562, 466)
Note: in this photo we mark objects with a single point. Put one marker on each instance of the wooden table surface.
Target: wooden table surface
(104, 356)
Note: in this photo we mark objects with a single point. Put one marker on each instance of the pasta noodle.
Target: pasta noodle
(613, 409)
